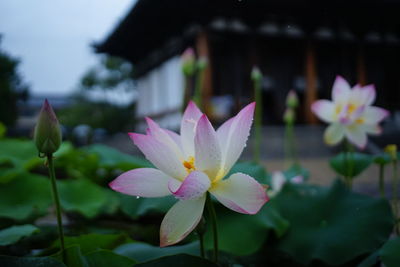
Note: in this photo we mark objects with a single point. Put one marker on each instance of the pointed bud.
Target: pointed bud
(392, 151)
(292, 101)
(256, 74)
(188, 62)
(202, 63)
(289, 116)
(47, 134)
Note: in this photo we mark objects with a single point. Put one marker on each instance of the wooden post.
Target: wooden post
(361, 71)
(311, 84)
(203, 50)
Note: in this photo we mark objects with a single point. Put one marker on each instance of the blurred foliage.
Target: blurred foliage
(351, 164)
(12, 88)
(104, 115)
(302, 225)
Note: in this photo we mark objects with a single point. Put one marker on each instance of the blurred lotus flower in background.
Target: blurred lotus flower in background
(292, 101)
(350, 114)
(278, 180)
(188, 62)
(47, 133)
(191, 164)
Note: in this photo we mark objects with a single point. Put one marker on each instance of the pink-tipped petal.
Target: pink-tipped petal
(160, 155)
(207, 150)
(162, 136)
(334, 134)
(278, 180)
(188, 127)
(340, 91)
(240, 193)
(180, 220)
(143, 182)
(374, 115)
(356, 136)
(175, 137)
(373, 129)
(324, 109)
(194, 186)
(235, 133)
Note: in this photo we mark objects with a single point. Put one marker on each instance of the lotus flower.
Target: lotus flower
(350, 114)
(191, 164)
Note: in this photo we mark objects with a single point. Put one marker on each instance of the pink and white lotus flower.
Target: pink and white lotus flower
(191, 164)
(350, 114)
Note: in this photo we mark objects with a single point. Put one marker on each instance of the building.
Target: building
(297, 44)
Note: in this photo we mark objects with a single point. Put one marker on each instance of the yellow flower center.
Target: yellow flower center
(351, 109)
(360, 121)
(189, 164)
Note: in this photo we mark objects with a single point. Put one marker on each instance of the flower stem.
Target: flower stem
(213, 218)
(200, 232)
(395, 206)
(56, 202)
(349, 157)
(382, 180)
(257, 121)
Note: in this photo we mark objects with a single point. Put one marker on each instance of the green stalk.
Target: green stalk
(349, 163)
(257, 120)
(200, 232)
(197, 90)
(213, 218)
(395, 206)
(56, 202)
(382, 180)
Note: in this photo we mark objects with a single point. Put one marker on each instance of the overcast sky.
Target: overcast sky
(53, 37)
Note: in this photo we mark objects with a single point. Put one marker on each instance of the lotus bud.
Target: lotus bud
(392, 151)
(292, 101)
(289, 116)
(188, 62)
(256, 74)
(47, 134)
(202, 63)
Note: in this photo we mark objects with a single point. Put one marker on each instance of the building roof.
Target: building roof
(155, 30)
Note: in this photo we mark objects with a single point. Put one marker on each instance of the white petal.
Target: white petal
(143, 182)
(334, 134)
(240, 193)
(235, 133)
(180, 220)
(194, 186)
(160, 155)
(325, 110)
(340, 91)
(188, 127)
(374, 115)
(207, 150)
(356, 136)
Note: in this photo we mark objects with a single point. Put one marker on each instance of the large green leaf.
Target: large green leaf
(6, 261)
(333, 225)
(82, 196)
(255, 170)
(390, 253)
(27, 195)
(142, 252)
(105, 258)
(350, 164)
(180, 260)
(110, 157)
(254, 229)
(91, 242)
(20, 153)
(138, 206)
(13, 234)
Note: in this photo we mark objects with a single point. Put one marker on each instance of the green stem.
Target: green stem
(395, 207)
(200, 232)
(56, 202)
(213, 218)
(382, 180)
(197, 89)
(257, 121)
(349, 163)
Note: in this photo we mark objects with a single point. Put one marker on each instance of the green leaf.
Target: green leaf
(350, 164)
(20, 153)
(91, 242)
(72, 256)
(13, 234)
(333, 225)
(106, 258)
(142, 252)
(382, 159)
(82, 196)
(390, 253)
(254, 229)
(110, 157)
(6, 261)
(255, 170)
(180, 260)
(136, 207)
(26, 195)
